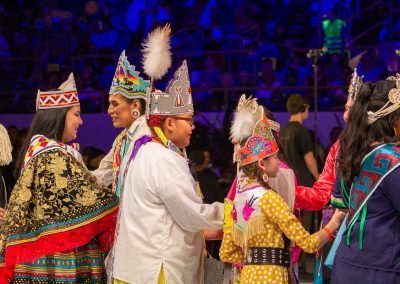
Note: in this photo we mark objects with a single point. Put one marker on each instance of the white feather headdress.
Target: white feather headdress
(156, 52)
(247, 113)
(5, 147)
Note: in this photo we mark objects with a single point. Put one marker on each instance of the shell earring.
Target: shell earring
(135, 113)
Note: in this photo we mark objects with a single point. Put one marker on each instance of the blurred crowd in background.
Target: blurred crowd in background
(252, 46)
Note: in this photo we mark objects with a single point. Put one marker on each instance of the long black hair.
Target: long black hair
(47, 122)
(358, 134)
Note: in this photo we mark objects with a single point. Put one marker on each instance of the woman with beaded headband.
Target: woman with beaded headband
(57, 223)
(260, 216)
(369, 163)
(127, 108)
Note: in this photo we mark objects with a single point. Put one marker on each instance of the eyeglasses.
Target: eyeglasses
(188, 119)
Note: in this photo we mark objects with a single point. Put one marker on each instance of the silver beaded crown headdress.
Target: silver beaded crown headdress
(392, 104)
(355, 85)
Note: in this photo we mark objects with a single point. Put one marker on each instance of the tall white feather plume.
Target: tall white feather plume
(5, 148)
(156, 52)
(246, 116)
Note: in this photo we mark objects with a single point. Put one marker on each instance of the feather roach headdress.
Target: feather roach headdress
(245, 117)
(157, 52)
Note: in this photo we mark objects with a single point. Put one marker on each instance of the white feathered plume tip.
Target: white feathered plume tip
(156, 52)
(5, 148)
(248, 112)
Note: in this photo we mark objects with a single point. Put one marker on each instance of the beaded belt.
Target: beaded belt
(267, 256)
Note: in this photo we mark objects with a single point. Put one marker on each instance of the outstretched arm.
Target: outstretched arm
(275, 209)
(315, 197)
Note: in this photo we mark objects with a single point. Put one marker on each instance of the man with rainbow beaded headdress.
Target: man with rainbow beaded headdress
(160, 237)
(127, 108)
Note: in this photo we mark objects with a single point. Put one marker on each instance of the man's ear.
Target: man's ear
(169, 123)
(136, 104)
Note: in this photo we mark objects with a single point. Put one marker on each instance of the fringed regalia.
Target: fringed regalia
(59, 221)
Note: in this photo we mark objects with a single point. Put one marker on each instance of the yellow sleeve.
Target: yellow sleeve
(275, 209)
(229, 252)
(228, 220)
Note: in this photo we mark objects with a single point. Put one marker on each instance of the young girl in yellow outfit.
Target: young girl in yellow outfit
(261, 221)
